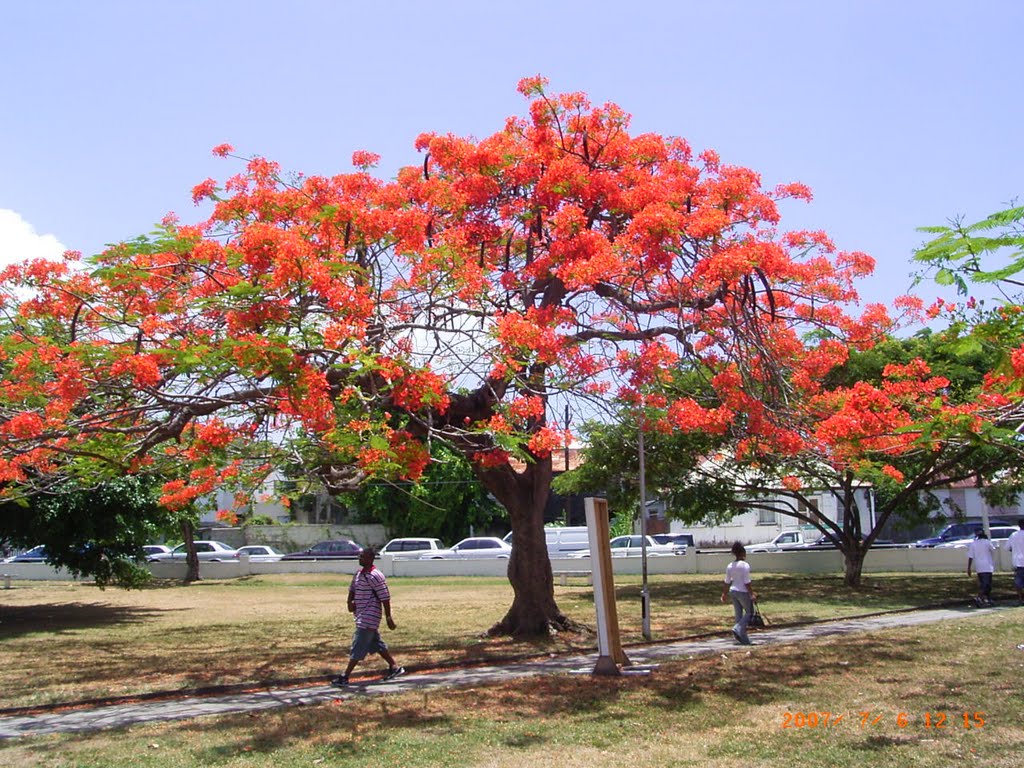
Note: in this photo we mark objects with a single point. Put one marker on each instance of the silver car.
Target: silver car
(632, 546)
(260, 553)
(473, 548)
(411, 548)
(210, 551)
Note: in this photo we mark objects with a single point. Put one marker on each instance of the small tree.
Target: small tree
(897, 420)
(97, 532)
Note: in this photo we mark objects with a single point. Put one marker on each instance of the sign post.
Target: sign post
(609, 646)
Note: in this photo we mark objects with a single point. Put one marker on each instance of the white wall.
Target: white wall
(896, 560)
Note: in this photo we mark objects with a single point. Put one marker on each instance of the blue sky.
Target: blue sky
(897, 114)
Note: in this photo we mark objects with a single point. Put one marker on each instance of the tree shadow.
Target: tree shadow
(876, 592)
(346, 729)
(17, 620)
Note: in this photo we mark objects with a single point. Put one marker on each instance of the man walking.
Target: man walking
(368, 595)
(979, 552)
(1016, 545)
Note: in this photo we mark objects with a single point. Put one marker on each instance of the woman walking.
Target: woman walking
(738, 587)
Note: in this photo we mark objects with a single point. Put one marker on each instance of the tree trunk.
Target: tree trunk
(853, 556)
(191, 558)
(533, 612)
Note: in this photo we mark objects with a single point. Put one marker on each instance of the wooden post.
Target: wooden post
(609, 646)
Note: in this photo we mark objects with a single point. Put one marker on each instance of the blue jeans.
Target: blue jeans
(743, 607)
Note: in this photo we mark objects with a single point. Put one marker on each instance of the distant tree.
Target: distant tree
(97, 532)
(443, 503)
(898, 419)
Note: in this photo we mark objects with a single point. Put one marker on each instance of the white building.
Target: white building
(763, 524)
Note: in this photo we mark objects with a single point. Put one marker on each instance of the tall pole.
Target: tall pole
(645, 595)
(565, 467)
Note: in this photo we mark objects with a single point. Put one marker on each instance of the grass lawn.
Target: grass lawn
(70, 642)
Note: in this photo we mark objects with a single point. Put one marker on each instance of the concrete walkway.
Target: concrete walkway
(119, 715)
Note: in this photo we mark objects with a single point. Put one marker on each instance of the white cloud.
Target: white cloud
(20, 241)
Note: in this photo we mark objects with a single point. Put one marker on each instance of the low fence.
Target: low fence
(897, 560)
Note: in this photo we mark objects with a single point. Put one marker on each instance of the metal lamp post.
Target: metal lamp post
(645, 595)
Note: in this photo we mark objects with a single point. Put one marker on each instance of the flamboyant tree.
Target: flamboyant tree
(884, 429)
(346, 324)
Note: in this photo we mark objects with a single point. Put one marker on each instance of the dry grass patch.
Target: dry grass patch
(292, 628)
(710, 711)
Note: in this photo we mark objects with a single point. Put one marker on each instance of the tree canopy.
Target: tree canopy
(346, 324)
(897, 420)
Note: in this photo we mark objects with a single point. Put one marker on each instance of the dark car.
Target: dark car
(339, 549)
(678, 540)
(34, 555)
(955, 531)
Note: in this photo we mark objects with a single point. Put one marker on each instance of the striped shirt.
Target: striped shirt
(370, 589)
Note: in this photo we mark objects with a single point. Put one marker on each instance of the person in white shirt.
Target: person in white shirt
(738, 587)
(1016, 545)
(979, 553)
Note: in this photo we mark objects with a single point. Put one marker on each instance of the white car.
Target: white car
(632, 546)
(411, 547)
(149, 550)
(209, 551)
(476, 547)
(260, 553)
(997, 533)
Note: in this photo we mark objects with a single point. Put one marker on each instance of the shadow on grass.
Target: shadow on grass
(20, 620)
(876, 592)
(513, 706)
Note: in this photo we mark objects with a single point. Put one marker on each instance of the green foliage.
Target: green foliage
(964, 364)
(97, 532)
(611, 465)
(443, 504)
(961, 254)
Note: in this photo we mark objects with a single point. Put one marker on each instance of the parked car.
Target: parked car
(476, 547)
(260, 553)
(336, 549)
(824, 542)
(562, 541)
(679, 541)
(786, 540)
(997, 533)
(207, 551)
(632, 546)
(411, 547)
(149, 550)
(34, 555)
(954, 531)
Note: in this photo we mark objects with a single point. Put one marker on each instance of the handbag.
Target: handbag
(757, 619)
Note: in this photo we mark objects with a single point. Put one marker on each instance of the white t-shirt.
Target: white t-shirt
(737, 575)
(980, 551)
(1016, 544)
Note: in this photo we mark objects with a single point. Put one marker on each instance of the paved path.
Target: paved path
(120, 715)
